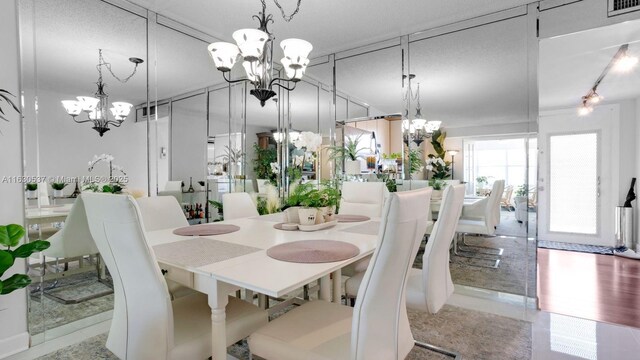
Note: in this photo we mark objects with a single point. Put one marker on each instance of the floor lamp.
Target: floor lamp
(453, 154)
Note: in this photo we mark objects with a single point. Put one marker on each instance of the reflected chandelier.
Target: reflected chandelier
(96, 107)
(255, 47)
(417, 129)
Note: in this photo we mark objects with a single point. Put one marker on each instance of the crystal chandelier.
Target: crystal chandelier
(255, 47)
(417, 129)
(96, 107)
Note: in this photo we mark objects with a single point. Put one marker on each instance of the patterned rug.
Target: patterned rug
(516, 273)
(593, 249)
(475, 335)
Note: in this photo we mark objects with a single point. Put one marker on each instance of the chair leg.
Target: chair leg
(459, 252)
(438, 349)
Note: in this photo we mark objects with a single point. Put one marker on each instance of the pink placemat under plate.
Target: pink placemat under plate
(206, 230)
(313, 251)
(279, 227)
(351, 218)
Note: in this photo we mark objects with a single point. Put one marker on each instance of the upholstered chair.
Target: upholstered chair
(159, 213)
(238, 205)
(363, 198)
(146, 323)
(172, 188)
(378, 326)
(429, 288)
(482, 218)
(72, 242)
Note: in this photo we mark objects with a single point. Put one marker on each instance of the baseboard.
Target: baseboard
(14, 344)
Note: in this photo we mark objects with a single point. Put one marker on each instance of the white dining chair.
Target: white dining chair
(238, 205)
(378, 326)
(482, 218)
(146, 324)
(72, 243)
(172, 188)
(363, 198)
(429, 288)
(159, 213)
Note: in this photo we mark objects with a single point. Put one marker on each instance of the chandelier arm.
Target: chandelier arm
(233, 81)
(276, 81)
(81, 121)
(114, 123)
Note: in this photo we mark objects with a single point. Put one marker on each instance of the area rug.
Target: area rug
(475, 335)
(516, 273)
(592, 249)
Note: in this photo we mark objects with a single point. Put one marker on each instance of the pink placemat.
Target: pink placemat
(313, 251)
(279, 227)
(352, 218)
(206, 230)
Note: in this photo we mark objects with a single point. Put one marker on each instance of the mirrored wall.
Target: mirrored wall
(192, 135)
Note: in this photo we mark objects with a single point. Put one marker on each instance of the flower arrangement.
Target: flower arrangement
(437, 184)
(438, 167)
(308, 144)
(270, 203)
(114, 185)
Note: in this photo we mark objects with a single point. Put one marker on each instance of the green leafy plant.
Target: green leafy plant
(482, 180)
(218, 206)
(389, 182)
(232, 155)
(31, 186)
(5, 96)
(297, 195)
(437, 184)
(348, 151)
(415, 160)
(521, 190)
(437, 141)
(58, 186)
(395, 155)
(262, 163)
(10, 236)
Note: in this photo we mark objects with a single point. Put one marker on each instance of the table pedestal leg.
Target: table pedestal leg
(325, 288)
(218, 301)
(336, 276)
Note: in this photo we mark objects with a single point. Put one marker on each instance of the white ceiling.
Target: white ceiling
(570, 64)
(330, 25)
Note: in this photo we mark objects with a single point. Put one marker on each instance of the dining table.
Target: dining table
(47, 214)
(241, 262)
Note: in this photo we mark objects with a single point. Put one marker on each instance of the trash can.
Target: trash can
(624, 228)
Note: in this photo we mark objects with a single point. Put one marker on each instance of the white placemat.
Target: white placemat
(370, 228)
(199, 251)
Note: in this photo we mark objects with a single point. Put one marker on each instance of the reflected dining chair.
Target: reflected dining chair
(378, 326)
(238, 205)
(429, 288)
(363, 198)
(159, 213)
(43, 194)
(73, 243)
(172, 188)
(146, 323)
(505, 200)
(482, 218)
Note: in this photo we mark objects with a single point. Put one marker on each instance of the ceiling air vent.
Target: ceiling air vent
(617, 7)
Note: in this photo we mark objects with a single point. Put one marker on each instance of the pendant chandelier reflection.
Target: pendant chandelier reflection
(418, 129)
(96, 107)
(255, 47)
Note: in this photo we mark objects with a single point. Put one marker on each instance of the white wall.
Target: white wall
(628, 146)
(64, 147)
(637, 172)
(13, 307)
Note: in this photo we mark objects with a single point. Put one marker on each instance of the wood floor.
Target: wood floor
(597, 287)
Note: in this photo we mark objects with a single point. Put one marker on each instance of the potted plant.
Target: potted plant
(311, 212)
(294, 201)
(415, 161)
(58, 189)
(331, 198)
(349, 153)
(31, 190)
(10, 236)
(438, 187)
